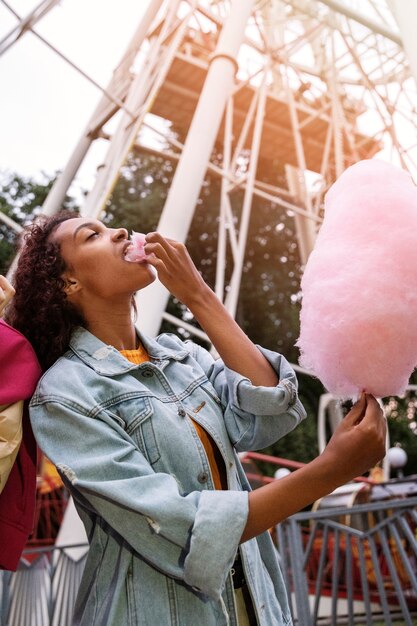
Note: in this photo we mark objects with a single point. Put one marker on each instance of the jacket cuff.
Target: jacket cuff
(260, 400)
(218, 527)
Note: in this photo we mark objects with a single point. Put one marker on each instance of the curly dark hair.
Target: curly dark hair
(40, 309)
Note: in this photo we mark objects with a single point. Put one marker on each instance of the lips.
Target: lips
(125, 248)
(134, 249)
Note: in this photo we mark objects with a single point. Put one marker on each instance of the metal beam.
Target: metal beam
(183, 195)
(10, 222)
(376, 27)
(405, 15)
(118, 85)
(142, 93)
(25, 23)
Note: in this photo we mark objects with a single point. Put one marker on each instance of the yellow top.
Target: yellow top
(136, 356)
(213, 453)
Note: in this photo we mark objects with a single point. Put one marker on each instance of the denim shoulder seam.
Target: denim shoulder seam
(70, 404)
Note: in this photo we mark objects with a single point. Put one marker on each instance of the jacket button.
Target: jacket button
(181, 413)
(147, 373)
(202, 477)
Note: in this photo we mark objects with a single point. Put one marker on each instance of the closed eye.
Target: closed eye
(93, 234)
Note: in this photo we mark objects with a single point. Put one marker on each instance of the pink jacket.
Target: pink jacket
(19, 373)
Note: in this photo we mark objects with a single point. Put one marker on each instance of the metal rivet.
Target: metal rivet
(202, 477)
(147, 373)
(181, 413)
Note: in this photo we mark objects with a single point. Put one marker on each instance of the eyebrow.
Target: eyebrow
(81, 226)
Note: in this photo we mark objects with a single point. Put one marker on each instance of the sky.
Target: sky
(44, 103)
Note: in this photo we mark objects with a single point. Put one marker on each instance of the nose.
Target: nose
(119, 234)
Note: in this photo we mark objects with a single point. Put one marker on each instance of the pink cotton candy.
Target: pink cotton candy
(135, 253)
(359, 309)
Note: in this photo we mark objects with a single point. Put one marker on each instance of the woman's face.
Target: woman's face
(94, 255)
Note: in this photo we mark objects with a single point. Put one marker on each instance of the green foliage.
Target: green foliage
(140, 193)
(21, 199)
(402, 423)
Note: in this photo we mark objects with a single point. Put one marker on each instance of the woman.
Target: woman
(145, 432)
(19, 373)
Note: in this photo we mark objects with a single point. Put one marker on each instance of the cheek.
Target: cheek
(96, 274)
(108, 280)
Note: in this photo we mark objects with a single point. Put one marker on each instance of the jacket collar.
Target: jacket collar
(108, 361)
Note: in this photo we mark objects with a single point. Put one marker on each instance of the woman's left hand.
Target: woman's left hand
(175, 268)
(179, 275)
(6, 293)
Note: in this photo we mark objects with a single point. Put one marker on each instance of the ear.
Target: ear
(72, 285)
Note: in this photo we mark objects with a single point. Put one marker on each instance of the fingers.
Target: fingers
(6, 293)
(374, 415)
(162, 248)
(374, 411)
(374, 426)
(357, 412)
(167, 244)
(156, 254)
(5, 285)
(375, 418)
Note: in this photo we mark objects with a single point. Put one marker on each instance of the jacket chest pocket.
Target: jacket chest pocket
(136, 416)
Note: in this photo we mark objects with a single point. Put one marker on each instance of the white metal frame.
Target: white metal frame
(326, 61)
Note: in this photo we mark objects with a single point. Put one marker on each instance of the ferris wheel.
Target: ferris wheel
(312, 85)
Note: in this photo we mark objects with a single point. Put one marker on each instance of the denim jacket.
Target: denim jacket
(162, 540)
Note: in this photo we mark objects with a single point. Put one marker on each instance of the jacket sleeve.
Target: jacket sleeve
(10, 438)
(255, 416)
(189, 536)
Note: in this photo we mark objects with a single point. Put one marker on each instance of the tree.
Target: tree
(402, 419)
(21, 199)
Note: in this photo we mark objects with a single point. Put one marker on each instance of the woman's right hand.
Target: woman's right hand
(6, 293)
(359, 441)
(357, 444)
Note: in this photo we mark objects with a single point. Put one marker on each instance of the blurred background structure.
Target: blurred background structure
(223, 126)
(275, 98)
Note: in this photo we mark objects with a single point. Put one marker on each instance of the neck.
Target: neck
(113, 325)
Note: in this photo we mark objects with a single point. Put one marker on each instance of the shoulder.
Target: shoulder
(19, 367)
(12, 338)
(15, 347)
(65, 378)
(172, 342)
(187, 347)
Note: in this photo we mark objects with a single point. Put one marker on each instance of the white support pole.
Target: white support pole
(339, 157)
(235, 182)
(405, 14)
(244, 132)
(141, 94)
(224, 197)
(297, 183)
(11, 223)
(233, 294)
(361, 18)
(57, 194)
(179, 207)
